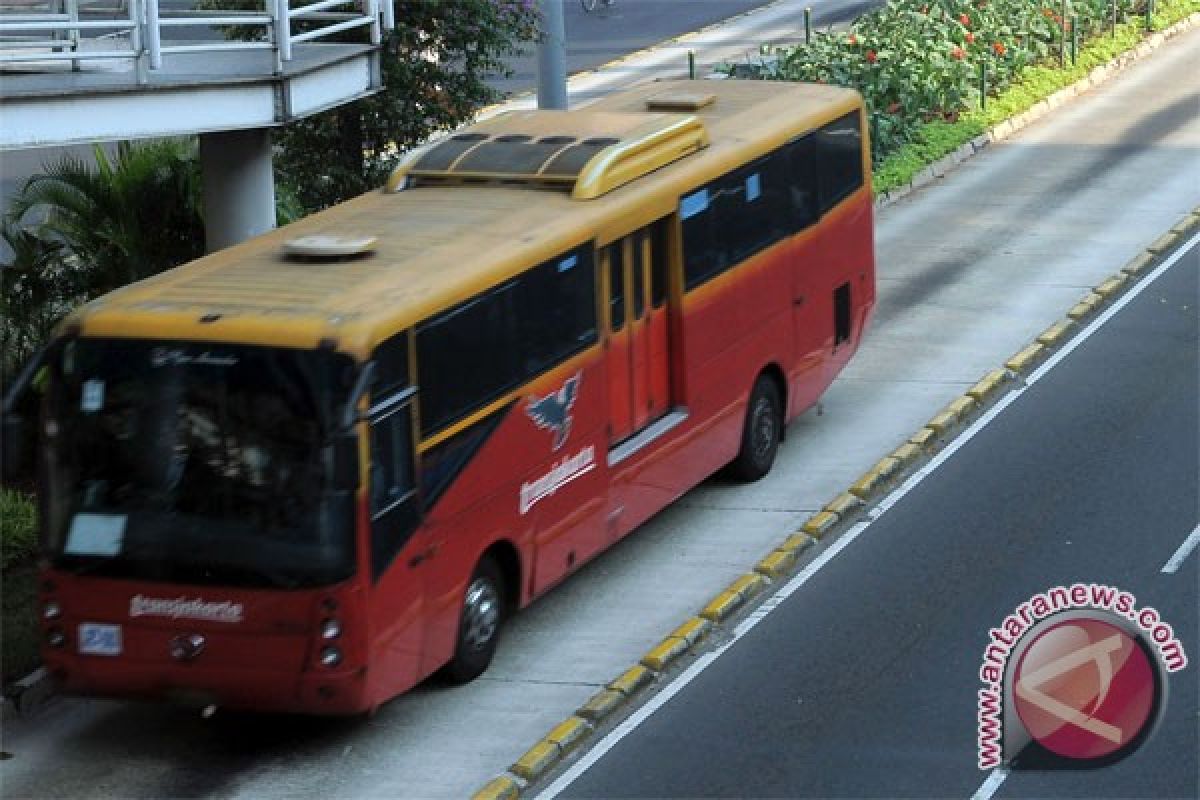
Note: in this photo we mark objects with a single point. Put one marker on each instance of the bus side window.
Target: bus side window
(839, 159)
(391, 365)
(467, 357)
(639, 288)
(701, 260)
(616, 273)
(392, 485)
(555, 305)
(658, 264)
(800, 168)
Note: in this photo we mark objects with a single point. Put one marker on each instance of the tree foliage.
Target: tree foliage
(435, 66)
(78, 230)
(121, 220)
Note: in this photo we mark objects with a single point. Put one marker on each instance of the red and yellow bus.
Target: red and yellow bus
(308, 471)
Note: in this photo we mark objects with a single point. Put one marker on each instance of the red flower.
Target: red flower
(957, 54)
(871, 57)
(970, 38)
(998, 47)
(964, 19)
(853, 40)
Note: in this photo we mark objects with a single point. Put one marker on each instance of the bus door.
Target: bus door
(635, 272)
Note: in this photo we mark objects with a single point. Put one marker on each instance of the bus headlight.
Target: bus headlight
(331, 629)
(52, 610)
(55, 637)
(330, 657)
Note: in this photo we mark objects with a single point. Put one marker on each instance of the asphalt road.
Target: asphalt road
(627, 26)
(863, 682)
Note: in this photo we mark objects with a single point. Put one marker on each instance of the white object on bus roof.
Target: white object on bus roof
(329, 246)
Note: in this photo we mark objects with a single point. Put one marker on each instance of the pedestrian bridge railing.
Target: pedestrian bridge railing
(41, 35)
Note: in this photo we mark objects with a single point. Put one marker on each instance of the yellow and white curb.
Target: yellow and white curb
(836, 515)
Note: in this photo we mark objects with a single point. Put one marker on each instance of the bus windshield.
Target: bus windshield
(196, 463)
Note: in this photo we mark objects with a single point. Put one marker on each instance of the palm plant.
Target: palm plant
(125, 219)
(35, 291)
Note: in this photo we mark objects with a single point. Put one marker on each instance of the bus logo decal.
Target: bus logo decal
(553, 412)
(185, 608)
(562, 473)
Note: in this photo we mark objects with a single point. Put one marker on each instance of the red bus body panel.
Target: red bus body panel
(555, 508)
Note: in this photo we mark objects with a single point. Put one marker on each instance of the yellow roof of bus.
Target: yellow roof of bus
(439, 245)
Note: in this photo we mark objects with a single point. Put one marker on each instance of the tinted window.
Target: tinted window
(839, 159)
(391, 461)
(556, 310)
(616, 277)
(800, 160)
(467, 357)
(638, 288)
(211, 456)
(391, 365)
(701, 259)
(480, 349)
(734, 217)
(392, 487)
(658, 265)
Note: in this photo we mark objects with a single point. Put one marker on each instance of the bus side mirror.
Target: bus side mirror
(344, 469)
(14, 446)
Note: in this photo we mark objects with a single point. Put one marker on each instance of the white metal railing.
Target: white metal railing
(79, 31)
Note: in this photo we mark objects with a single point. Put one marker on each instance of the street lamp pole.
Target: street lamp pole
(552, 57)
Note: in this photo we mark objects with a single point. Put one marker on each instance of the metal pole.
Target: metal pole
(283, 27)
(1062, 39)
(691, 65)
(983, 86)
(807, 25)
(153, 34)
(552, 57)
(1149, 14)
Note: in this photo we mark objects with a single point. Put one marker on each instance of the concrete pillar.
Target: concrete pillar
(239, 188)
(552, 57)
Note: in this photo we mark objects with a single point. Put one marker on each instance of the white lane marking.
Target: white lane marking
(1108, 313)
(1176, 561)
(838, 545)
(989, 786)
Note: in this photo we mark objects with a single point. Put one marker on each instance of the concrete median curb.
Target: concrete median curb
(837, 515)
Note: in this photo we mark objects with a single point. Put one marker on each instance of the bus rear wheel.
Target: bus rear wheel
(761, 432)
(479, 624)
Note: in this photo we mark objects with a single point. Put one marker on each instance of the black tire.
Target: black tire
(760, 433)
(478, 624)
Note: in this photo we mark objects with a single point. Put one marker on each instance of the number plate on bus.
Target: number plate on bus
(99, 640)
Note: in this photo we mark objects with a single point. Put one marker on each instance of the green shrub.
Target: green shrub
(18, 616)
(918, 62)
(18, 528)
(929, 141)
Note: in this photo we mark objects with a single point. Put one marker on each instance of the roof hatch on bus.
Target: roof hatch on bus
(587, 154)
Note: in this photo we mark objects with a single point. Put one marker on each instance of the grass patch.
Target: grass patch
(18, 528)
(18, 585)
(936, 139)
